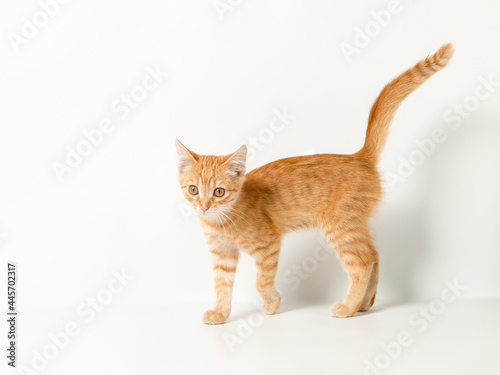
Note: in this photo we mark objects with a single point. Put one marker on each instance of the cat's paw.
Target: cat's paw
(213, 317)
(339, 310)
(272, 306)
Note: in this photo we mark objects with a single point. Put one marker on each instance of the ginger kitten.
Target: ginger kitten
(335, 193)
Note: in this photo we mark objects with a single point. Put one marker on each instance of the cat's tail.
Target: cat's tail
(391, 97)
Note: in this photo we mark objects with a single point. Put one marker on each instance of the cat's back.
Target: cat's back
(294, 191)
(313, 168)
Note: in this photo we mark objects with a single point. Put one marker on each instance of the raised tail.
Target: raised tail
(391, 97)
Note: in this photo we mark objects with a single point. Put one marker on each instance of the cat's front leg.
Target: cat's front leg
(225, 260)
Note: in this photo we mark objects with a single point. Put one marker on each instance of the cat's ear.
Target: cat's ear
(236, 162)
(187, 158)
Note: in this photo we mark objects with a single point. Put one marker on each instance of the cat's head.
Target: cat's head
(211, 183)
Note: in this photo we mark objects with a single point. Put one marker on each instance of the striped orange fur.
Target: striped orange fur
(335, 193)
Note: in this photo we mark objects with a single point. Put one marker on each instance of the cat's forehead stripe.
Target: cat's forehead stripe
(209, 166)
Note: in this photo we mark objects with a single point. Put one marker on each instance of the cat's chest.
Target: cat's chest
(222, 237)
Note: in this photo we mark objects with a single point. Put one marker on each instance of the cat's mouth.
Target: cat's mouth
(205, 212)
(209, 215)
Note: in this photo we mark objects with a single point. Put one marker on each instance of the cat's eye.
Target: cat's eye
(193, 190)
(219, 192)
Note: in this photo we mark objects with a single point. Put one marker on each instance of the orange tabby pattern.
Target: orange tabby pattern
(335, 193)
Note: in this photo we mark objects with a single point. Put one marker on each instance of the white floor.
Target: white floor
(462, 337)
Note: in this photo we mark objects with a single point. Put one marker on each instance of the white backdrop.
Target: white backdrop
(134, 75)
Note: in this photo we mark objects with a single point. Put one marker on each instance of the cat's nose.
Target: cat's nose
(204, 208)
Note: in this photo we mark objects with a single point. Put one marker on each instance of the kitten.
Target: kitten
(335, 193)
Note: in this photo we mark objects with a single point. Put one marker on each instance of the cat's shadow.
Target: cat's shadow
(309, 272)
(255, 314)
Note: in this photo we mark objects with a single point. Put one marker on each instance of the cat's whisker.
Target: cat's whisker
(237, 213)
(217, 216)
(232, 224)
(226, 219)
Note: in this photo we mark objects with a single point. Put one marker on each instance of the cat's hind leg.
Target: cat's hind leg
(371, 291)
(356, 252)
